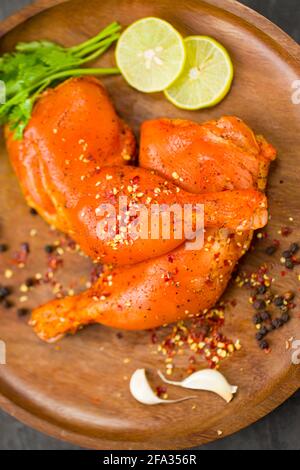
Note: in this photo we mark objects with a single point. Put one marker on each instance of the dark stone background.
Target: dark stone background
(278, 431)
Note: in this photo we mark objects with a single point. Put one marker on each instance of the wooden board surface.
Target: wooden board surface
(80, 392)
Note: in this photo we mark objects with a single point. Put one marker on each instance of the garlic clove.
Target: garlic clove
(140, 389)
(207, 380)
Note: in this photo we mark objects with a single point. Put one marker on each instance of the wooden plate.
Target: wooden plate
(79, 390)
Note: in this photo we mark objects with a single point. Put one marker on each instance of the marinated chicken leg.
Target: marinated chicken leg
(179, 284)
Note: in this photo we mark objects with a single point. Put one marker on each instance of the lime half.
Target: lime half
(206, 77)
(150, 54)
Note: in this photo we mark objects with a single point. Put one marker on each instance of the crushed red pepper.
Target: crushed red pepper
(202, 336)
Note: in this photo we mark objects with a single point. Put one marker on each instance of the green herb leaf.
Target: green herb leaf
(35, 65)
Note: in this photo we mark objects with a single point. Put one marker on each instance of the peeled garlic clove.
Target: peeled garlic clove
(209, 380)
(143, 393)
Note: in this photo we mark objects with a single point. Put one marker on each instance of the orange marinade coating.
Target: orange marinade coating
(173, 286)
(72, 159)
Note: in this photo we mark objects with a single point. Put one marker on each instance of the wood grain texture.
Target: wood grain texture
(63, 406)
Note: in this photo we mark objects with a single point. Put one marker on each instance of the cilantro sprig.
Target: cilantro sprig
(37, 65)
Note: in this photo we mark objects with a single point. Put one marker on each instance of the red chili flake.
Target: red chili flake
(96, 273)
(161, 390)
(54, 262)
(192, 360)
(170, 258)
(202, 336)
(20, 256)
(112, 198)
(168, 276)
(154, 338)
(136, 179)
(286, 231)
(71, 244)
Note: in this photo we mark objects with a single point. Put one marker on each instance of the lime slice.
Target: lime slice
(150, 54)
(206, 77)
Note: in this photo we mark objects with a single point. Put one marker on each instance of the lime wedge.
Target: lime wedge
(150, 54)
(206, 77)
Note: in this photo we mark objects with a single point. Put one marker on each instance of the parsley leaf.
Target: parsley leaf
(36, 65)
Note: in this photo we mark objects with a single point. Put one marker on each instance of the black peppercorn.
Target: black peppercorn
(22, 312)
(287, 254)
(259, 304)
(259, 336)
(285, 317)
(263, 331)
(30, 282)
(261, 290)
(270, 250)
(4, 292)
(277, 323)
(3, 247)
(32, 211)
(265, 316)
(264, 344)
(49, 249)
(278, 301)
(257, 319)
(8, 304)
(294, 248)
(289, 264)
